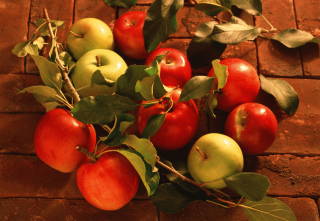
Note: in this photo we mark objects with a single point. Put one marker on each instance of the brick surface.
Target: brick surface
(14, 29)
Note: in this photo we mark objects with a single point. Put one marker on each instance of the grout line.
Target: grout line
(28, 33)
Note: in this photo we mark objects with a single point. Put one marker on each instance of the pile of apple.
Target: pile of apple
(108, 180)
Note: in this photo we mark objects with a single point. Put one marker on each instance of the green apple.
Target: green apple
(214, 157)
(111, 66)
(87, 34)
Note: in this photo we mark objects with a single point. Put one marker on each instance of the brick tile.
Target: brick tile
(10, 101)
(77, 210)
(14, 29)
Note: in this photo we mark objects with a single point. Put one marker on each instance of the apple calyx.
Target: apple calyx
(169, 60)
(90, 155)
(98, 61)
(244, 119)
(169, 102)
(203, 154)
(75, 34)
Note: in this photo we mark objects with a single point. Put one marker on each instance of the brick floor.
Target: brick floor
(30, 190)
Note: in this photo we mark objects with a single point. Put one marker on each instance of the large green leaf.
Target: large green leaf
(153, 125)
(120, 3)
(293, 38)
(160, 22)
(234, 31)
(99, 79)
(268, 209)
(196, 88)
(283, 92)
(253, 7)
(213, 7)
(101, 109)
(145, 87)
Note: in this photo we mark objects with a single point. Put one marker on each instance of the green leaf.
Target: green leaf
(171, 198)
(39, 42)
(44, 29)
(160, 22)
(159, 89)
(252, 186)
(283, 92)
(210, 104)
(221, 72)
(153, 125)
(253, 7)
(154, 67)
(99, 79)
(143, 146)
(145, 87)
(149, 178)
(213, 7)
(66, 59)
(196, 88)
(267, 209)
(23, 48)
(202, 49)
(234, 31)
(101, 109)
(293, 38)
(120, 3)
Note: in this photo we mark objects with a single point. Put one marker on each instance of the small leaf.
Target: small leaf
(234, 31)
(210, 104)
(202, 49)
(196, 88)
(160, 22)
(293, 38)
(252, 186)
(171, 198)
(283, 92)
(221, 72)
(99, 79)
(39, 42)
(120, 3)
(145, 87)
(253, 7)
(66, 59)
(101, 109)
(44, 29)
(213, 7)
(159, 89)
(153, 125)
(154, 67)
(267, 209)
(23, 48)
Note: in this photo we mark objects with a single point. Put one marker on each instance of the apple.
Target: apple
(57, 135)
(214, 157)
(253, 126)
(108, 183)
(111, 66)
(128, 34)
(175, 69)
(180, 123)
(243, 84)
(87, 34)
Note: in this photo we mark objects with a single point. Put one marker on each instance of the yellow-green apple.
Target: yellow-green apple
(108, 182)
(180, 123)
(109, 63)
(253, 126)
(214, 157)
(87, 34)
(57, 135)
(128, 34)
(175, 69)
(243, 84)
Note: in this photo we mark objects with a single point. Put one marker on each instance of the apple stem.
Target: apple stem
(90, 155)
(98, 61)
(168, 60)
(130, 24)
(204, 155)
(244, 121)
(75, 34)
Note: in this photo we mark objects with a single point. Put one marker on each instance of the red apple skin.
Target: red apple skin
(128, 34)
(109, 183)
(253, 126)
(179, 126)
(243, 84)
(56, 136)
(175, 67)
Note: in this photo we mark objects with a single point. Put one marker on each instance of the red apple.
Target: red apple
(56, 136)
(179, 126)
(175, 67)
(108, 183)
(253, 126)
(128, 34)
(243, 84)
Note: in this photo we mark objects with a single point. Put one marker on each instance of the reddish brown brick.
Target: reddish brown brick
(14, 29)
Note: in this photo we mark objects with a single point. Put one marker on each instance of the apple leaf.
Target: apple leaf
(160, 22)
(171, 198)
(250, 185)
(196, 88)
(154, 67)
(23, 48)
(283, 92)
(126, 83)
(145, 87)
(293, 38)
(116, 136)
(267, 209)
(159, 89)
(221, 72)
(143, 146)
(101, 109)
(213, 7)
(99, 79)
(254, 7)
(234, 31)
(44, 29)
(149, 178)
(66, 59)
(153, 125)
(210, 104)
(120, 3)
(39, 42)
(202, 49)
